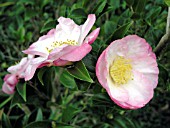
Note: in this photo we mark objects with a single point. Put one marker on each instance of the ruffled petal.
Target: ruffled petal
(40, 47)
(116, 92)
(49, 34)
(60, 62)
(116, 48)
(92, 36)
(78, 53)
(10, 81)
(60, 51)
(67, 30)
(34, 64)
(137, 47)
(148, 67)
(140, 90)
(16, 68)
(85, 28)
(8, 89)
(143, 59)
(101, 70)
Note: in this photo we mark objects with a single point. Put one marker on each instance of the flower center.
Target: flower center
(59, 43)
(121, 70)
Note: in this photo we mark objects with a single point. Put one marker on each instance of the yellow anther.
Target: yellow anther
(57, 44)
(121, 70)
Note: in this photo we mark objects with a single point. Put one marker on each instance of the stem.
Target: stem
(40, 94)
(6, 101)
(165, 37)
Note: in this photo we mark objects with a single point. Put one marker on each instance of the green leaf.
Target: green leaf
(139, 5)
(41, 73)
(44, 3)
(167, 2)
(67, 80)
(79, 71)
(120, 32)
(5, 101)
(130, 2)
(5, 121)
(107, 8)
(99, 7)
(6, 4)
(109, 26)
(120, 123)
(155, 12)
(48, 25)
(39, 116)
(29, 14)
(39, 124)
(48, 79)
(21, 32)
(68, 113)
(124, 122)
(61, 125)
(32, 2)
(17, 99)
(21, 88)
(78, 13)
(28, 36)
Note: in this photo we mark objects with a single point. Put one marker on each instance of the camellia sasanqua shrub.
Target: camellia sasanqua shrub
(88, 64)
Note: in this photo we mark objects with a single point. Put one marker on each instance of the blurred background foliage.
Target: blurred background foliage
(56, 99)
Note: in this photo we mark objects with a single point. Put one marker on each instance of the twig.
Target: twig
(40, 94)
(166, 37)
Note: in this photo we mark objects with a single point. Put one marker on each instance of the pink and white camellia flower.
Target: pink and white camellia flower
(128, 70)
(17, 71)
(67, 43)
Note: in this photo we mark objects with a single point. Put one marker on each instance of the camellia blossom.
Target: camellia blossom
(17, 72)
(63, 45)
(128, 70)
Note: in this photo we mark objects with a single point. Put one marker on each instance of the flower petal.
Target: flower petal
(40, 47)
(8, 89)
(92, 36)
(67, 30)
(34, 64)
(11, 79)
(143, 59)
(116, 92)
(60, 62)
(85, 28)
(116, 48)
(140, 90)
(148, 67)
(78, 53)
(137, 47)
(101, 70)
(16, 68)
(10, 82)
(49, 34)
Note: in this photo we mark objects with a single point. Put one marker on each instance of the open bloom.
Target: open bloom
(63, 45)
(17, 71)
(128, 70)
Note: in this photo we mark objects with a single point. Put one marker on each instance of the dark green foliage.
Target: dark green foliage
(79, 71)
(67, 80)
(71, 96)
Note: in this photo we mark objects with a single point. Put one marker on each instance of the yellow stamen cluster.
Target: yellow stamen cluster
(59, 43)
(121, 70)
